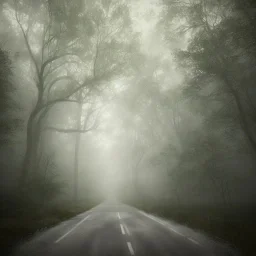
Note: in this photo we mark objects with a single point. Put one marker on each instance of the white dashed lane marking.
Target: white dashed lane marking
(122, 229)
(130, 248)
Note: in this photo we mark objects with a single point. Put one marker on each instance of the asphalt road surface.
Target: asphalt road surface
(120, 230)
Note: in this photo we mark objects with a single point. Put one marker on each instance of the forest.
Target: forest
(150, 103)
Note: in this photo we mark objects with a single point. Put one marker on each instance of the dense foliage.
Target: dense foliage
(151, 103)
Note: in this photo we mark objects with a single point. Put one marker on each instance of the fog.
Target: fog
(149, 103)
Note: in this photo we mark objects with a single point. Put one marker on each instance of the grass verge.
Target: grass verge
(18, 225)
(230, 225)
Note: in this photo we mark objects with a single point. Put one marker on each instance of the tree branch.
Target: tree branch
(25, 36)
(50, 60)
(51, 70)
(94, 126)
(66, 98)
(61, 130)
(53, 102)
(57, 80)
(96, 57)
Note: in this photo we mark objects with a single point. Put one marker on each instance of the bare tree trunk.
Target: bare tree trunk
(32, 143)
(30, 154)
(39, 140)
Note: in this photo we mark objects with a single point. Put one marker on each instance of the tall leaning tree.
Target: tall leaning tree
(60, 37)
(109, 55)
(43, 36)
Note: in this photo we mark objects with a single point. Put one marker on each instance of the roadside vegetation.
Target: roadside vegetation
(152, 103)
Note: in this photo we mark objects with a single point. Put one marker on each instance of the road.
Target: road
(120, 230)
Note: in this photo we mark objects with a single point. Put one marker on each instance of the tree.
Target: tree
(70, 37)
(217, 62)
(111, 22)
(7, 123)
(214, 55)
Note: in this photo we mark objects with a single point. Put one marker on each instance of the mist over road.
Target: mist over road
(118, 229)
